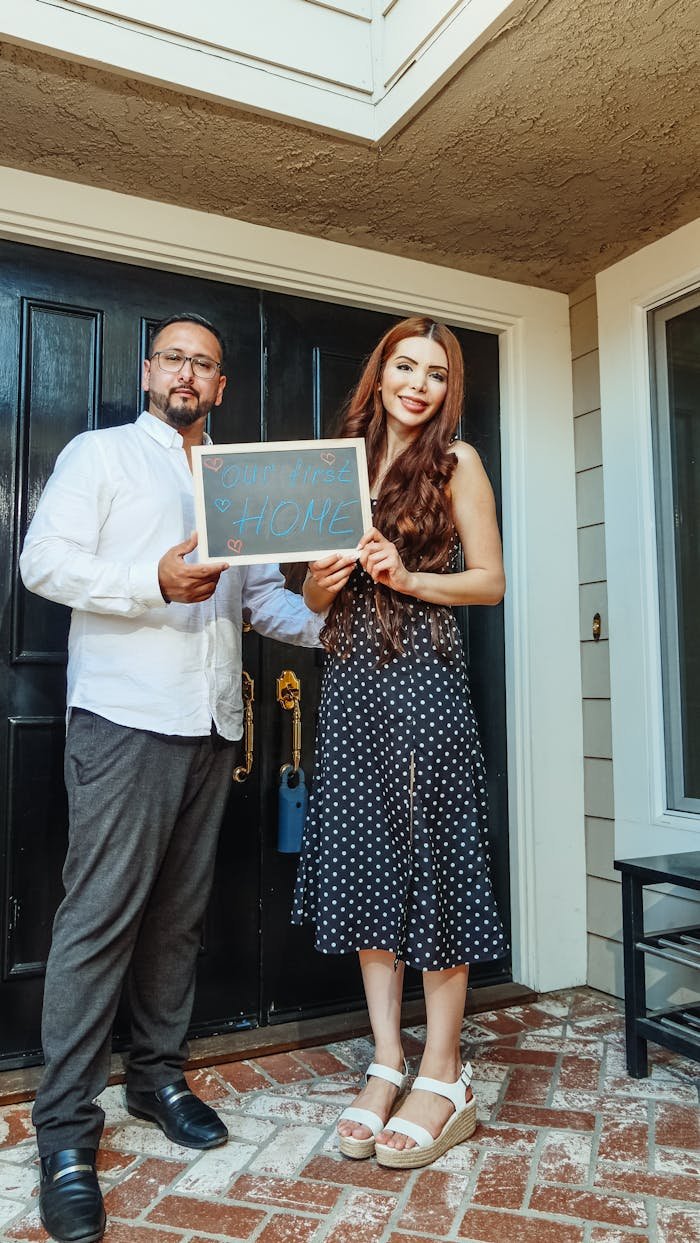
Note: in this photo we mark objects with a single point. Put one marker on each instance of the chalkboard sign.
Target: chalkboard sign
(288, 500)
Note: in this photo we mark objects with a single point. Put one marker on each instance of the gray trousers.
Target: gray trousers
(144, 817)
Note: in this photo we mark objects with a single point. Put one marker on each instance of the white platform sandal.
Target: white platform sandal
(358, 1148)
(458, 1127)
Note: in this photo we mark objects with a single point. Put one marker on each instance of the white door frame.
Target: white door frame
(543, 681)
(627, 292)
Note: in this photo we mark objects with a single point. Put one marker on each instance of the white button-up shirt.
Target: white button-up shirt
(118, 499)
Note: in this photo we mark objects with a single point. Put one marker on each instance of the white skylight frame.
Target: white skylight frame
(358, 68)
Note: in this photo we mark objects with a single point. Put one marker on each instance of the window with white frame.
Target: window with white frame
(675, 344)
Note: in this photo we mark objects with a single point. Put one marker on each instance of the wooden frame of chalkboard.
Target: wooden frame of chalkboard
(286, 500)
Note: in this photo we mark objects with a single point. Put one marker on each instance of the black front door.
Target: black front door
(73, 332)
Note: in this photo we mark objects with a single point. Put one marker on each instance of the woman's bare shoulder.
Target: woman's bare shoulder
(467, 457)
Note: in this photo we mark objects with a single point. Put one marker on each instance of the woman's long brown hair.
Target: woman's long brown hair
(413, 509)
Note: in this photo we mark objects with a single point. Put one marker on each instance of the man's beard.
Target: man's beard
(176, 412)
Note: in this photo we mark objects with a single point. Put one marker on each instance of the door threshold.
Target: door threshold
(17, 1086)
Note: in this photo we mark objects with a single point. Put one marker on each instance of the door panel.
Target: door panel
(36, 772)
(60, 380)
(483, 629)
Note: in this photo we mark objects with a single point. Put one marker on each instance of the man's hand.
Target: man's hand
(331, 573)
(188, 584)
(326, 578)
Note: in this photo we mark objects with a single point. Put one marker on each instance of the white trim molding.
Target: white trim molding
(360, 68)
(627, 292)
(539, 514)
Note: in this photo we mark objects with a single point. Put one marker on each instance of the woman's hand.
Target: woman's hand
(380, 558)
(326, 577)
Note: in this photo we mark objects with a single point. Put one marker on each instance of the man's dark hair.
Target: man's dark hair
(187, 318)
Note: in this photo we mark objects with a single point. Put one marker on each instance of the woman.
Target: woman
(394, 863)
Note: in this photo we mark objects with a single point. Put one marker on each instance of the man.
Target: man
(154, 710)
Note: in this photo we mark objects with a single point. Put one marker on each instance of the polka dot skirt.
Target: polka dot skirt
(393, 856)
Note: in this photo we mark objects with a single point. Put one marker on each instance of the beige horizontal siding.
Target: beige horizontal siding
(589, 497)
(604, 949)
(597, 729)
(591, 553)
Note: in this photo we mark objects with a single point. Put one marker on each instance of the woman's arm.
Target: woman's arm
(474, 515)
(325, 578)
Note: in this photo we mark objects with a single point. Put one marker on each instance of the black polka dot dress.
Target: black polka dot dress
(394, 854)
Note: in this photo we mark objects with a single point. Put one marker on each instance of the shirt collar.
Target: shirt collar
(163, 432)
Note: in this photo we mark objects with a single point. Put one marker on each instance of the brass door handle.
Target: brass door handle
(248, 689)
(289, 698)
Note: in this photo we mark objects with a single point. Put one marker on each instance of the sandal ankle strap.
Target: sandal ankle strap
(455, 1092)
(397, 1077)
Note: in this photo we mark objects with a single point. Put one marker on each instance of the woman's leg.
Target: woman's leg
(445, 996)
(383, 989)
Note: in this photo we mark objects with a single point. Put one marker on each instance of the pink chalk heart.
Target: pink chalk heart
(236, 545)
(213, 463)
(328, 457)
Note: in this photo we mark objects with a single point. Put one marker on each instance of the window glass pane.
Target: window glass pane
(678, 495)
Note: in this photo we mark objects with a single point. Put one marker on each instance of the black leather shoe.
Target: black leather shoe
(70, 1200)
(180, 1114)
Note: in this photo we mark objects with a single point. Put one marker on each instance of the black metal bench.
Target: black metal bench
(677, 1028)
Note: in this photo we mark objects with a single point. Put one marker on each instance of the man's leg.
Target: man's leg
(162, 976)
(125, 788)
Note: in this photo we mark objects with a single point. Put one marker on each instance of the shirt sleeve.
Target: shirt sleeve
(60, 559)
(276, 612)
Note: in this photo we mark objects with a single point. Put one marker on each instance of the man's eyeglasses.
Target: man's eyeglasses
(174, 361)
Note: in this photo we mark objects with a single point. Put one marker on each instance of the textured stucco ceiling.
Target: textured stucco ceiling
(572, 139)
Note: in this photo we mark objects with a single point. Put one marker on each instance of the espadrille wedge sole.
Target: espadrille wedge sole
(460, 1126)
(361, 1148)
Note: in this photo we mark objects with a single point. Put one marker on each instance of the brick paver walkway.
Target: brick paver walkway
(568, 1150)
